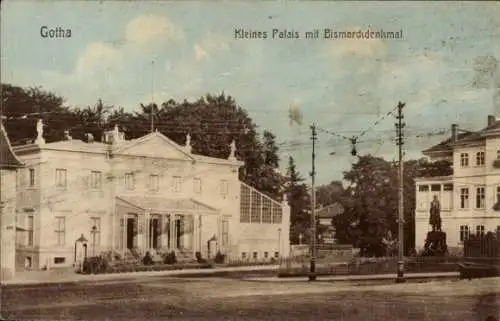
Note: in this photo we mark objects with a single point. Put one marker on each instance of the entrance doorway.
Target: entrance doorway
(178, 233)
(130, 233)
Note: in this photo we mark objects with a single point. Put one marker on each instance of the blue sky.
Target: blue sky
(342, 85)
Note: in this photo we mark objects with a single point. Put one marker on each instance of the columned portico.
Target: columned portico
(156, 225)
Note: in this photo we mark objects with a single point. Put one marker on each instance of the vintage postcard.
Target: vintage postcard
(250, 160)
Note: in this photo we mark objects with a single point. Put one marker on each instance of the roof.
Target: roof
(330, 211)
(161, 204)
(8, 159)
(76, 145)
(465, 138)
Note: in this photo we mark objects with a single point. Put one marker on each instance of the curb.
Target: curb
(348, 278)
(132, 275)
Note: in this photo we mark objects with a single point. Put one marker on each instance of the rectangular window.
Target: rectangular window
(255, 255)
(266, 255)
(480, 158)
(498, 154)
(177, 184)
(30, 229)
(61, 231)
(243, 255)
(498, 194)
(276, 254)
(480, 230)
(59, 260)
(464, 232)
(436, 187)
(61, 178)
(423, 188)
(464, 159)
(197, 185)
(464, 197)
(130, 181)
(32, 177)
(225, 232)
(223, 187)
(448, 187)
(95, 180)
(154, 183)
(480, 197)
(95, 230)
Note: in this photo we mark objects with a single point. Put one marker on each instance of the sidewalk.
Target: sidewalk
(372, 277)
(54, 276)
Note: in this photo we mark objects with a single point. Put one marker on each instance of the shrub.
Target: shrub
(199, 258)
(170, 258)
(95, 265)
(148, 259)
(219, 258)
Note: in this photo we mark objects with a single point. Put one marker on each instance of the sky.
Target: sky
(445, 67)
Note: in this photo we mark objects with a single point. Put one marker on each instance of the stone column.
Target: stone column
(195, 234)
(147, 215)
(172, 232)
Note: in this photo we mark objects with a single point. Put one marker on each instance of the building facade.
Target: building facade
(469, 198)
(10, 165)
(143, 194)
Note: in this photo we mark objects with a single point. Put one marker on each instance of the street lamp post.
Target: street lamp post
(312, 274)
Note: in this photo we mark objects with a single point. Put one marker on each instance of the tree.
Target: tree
(299, 201)
(330, 194)
(21, 109)
(213, 122)
(374, 187)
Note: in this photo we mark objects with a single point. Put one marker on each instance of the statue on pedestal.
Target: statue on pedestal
(435, 243)
(232, 154)
(435, 215)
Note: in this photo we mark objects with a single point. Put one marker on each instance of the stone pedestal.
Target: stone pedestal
(435, 244)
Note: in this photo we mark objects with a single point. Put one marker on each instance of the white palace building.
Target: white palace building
(146, 193)
(469, 198)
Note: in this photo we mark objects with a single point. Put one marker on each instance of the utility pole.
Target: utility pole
(312, 274)
(400, 142)
(152, 94)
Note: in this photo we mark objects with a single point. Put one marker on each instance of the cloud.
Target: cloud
(211, 43)
(200, 53)
(146, 28)
(97, 56)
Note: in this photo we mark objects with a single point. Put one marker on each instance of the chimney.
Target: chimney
(454, 133)
(491, 120)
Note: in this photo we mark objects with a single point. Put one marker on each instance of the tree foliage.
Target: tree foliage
(299, 201)
(213, 122)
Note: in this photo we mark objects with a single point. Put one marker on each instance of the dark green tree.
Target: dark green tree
(374, 211)
(21, 109)
(213, 122)
(299, 201)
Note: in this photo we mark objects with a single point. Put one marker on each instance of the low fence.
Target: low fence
(482, 246)
(385, 265)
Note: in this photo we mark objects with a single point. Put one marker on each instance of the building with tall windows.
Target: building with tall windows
(470, 197)
(147, 194)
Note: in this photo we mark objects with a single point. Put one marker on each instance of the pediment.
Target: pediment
(154, 145)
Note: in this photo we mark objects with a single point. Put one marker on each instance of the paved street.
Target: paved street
(154, 298)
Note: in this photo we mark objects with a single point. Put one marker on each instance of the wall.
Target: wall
(7, 224)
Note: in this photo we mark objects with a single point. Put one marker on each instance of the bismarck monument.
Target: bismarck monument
(435, 244)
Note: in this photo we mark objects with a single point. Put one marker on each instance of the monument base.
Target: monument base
(435, 244)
